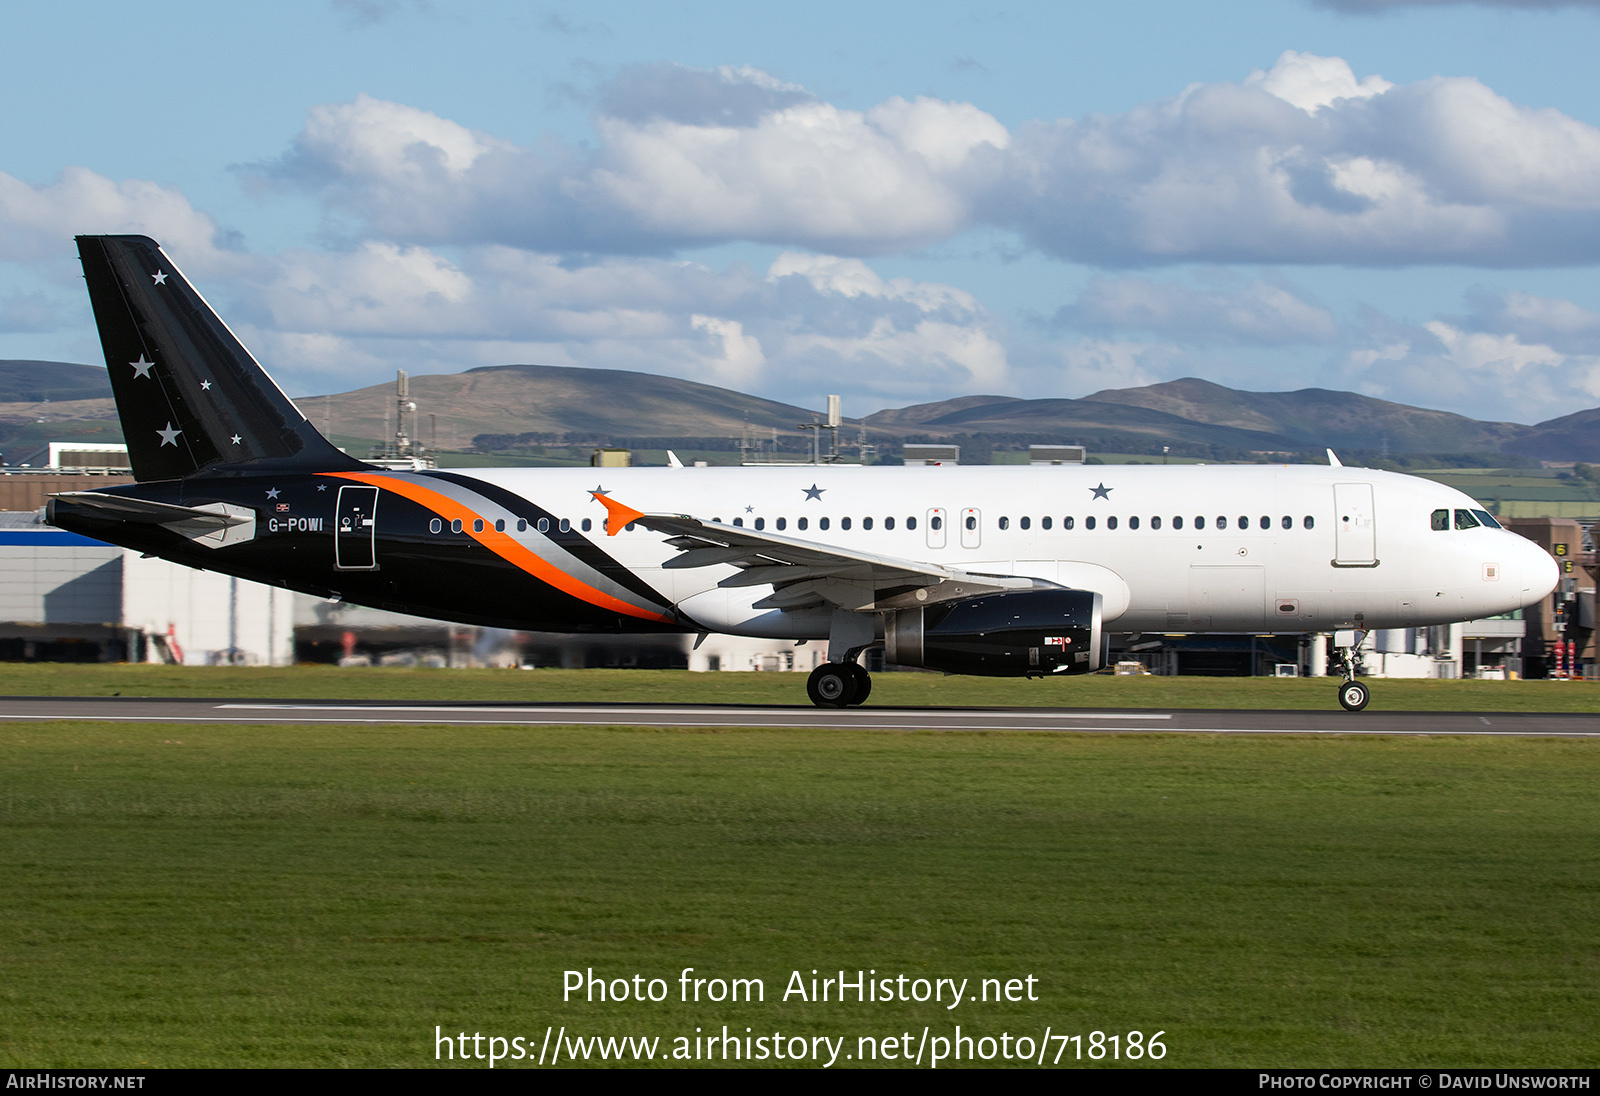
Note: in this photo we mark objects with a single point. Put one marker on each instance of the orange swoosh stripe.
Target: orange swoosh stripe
(503, 545)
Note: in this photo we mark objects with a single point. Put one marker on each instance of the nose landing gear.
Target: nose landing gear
(839, 684)
(1353, 695)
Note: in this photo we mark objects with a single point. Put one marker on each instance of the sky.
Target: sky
(898, 202)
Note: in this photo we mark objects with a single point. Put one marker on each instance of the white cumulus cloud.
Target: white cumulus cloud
(1256, 312)
(37, 223)
(1310, 82)
(1304, 162)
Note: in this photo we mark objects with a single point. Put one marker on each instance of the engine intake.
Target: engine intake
(1001, 635)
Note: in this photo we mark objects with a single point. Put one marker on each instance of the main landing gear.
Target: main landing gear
(1353, 695)
(838, 684)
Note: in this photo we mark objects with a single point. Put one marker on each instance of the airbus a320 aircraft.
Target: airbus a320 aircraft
(1002, 571)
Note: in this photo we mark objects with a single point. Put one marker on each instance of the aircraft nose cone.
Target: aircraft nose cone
(1540, 572)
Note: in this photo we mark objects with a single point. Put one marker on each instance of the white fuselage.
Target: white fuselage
(1220, 548)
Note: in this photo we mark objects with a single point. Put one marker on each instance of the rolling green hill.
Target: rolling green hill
(1318, 417)
(552, 400)
(525, 405)
(32, 381)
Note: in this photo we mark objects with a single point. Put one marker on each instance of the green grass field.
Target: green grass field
(325, 896)
(678, 686)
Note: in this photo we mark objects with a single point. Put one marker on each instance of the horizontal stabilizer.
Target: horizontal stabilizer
(213, 525)
(145, 512)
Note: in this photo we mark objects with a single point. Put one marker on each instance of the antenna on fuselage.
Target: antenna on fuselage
(1333, 460)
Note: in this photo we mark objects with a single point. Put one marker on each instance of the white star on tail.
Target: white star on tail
(205, 386)
(141, 368)
(236, 439)
(169, 436)
(159, 277)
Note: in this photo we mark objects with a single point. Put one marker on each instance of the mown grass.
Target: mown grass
(325, 896)
(679, 686)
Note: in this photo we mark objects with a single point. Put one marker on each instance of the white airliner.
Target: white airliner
(1002, 571)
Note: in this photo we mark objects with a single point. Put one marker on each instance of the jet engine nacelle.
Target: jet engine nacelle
(1001, 635)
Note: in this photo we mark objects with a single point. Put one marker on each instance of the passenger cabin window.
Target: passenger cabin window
(435, 525)
(1441, 520)
(1288, 522)
(1465, 520)
(844, 523)
(477, 525)
(1067, 523)
(972, 521)
(1265, 522)
(1244, 522)
(888, 523)
(911, 523)
(1005, 523)
(1177, 523)
(587, 525)
(739, 522)
(1111, 523)
(1025, 522)
(565, 525)
(1222, 522)
(822, 523)
(544, 525)
(1199, 523)
(1044, 523)
(866, 523)
(761, 523)
(783, 523)
(1133, 523)
(1155, 523)
(455, 526)
(1310, 522)
(1088, 523)
(522, 525)
(499, 525)
(936, 523)
(802, 524)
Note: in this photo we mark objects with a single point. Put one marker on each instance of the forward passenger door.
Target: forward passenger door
(1354, 533)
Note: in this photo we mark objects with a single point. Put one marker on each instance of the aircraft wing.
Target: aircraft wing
(804, 574)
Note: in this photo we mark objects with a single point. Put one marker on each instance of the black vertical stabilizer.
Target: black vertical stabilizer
(190, 396)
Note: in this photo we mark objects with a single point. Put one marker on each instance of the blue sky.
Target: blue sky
(901, 202)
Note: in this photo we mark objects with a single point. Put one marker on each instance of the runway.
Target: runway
(1117, 721)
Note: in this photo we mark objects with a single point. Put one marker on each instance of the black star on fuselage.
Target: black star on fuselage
(814, 492)
(1102, 492)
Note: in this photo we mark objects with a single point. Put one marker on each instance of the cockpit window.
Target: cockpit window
(1441, 520)
(1465, 520)
(1487, 518)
